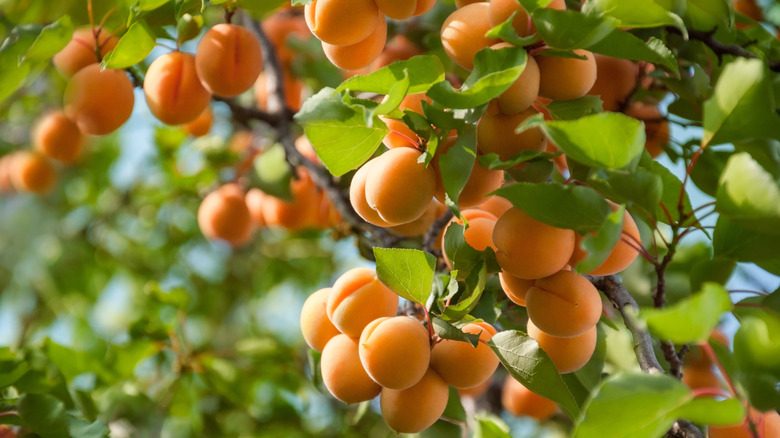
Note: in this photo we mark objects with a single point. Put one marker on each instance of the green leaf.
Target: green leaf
(756, 344)
(423, 71)
(564, 206)
(13, 74)
(394, 97)
(149, 5)
(490, 426)
(718, 270)
(188, 28)
(565, 30)
(742, 106)
(445, 330)
(622, 44)
(506, 31)
(705, 410)
(51, 40)
(339, 132)
(454, 409)
(672, 187)
(44, 415)
(456, 165)
(10, 372)
(748, 195)
(469, 298)
(72, 363)
(599, 246)
(745, 245)
(462, 257)
(637, 13)
(692, 319)
(135, 45)
(272, 173)
(408, 272)
(494, 71)
(531, 366)
(574, 109)
(83, 429)
(707, 15)
(642, 188)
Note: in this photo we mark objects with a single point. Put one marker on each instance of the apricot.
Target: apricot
(316, 327)
(519, 400)
(565, 304)
(397, 49)
(495, 205)
(58, 137)
(293, 91)
(463, 33)
(566, 78)
(400, 134)
(342, 372)
(481, 180)
(462, 365)
(414, 409)
(461, 3)
(615, 81)
(622, 255)
(515, 288)
(81, 52)
(279, 28)
(201, 125)
(297, 214)
(697, 377)
(398, 187)
(749, 8)
(7, 432)
(395, 351)
(568, 354)
(475, 391)
(479, 234)
(5, 173)
(501, 10)
(767, 425)
(422, 224)
(223, 214)
(342, 22)
(530, 249)
(228, 60)
(254, 202)
(357, 196)
(656, 126)
(401, 9)
(99, 101)
(358, 297)
(360, 54)
(173, 90)
(32, 172)
(522, 93)
(496, 133)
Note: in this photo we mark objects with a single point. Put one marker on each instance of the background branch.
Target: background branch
(720, 49)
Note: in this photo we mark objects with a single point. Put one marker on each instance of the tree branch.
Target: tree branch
(720, 49)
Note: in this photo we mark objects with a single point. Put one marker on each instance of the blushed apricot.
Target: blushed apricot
(565, 304)
(360, 54)
(80, 51)
(463, 33)
(414, 409)
(395, 351)
(566, 78)
(528, 248)
(358, 297)
(32, 172)
(615, 81)
(280, 28)
(481, 180)
(422, 224)
(515, 288)
(293, 91)
(342, 372)
(173, 90)
(495, 205)
(398, 187)
(223, 214)
(656, 126)
(496, 133)
(622, 255)
(462, 365)
(767, 425)
(56, 136)
(228, 60)
(357, 196)
(316, 327)
(99, 101)
(568, 354)
(342, 22)
(400, 134)
(201, 125)
(298, 213)
(519, 400)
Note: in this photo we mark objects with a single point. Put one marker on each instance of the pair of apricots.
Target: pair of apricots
(367, 351)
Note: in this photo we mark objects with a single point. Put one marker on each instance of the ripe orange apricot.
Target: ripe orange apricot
(749, 8)
(223, 214)
(395, 351)
(254, 202)
(80, 51)
(397, 49)
(415, 409)
(566, 78)
(32, 172)
(398, 9)
(342, 22)
(360, 54)
(615, 81)
(463, 33)
(228, 60)
(656, 126)
(201, 125)
(568, 354)
(519, 400)
(462, 365)
(58, 137)
(293, 91)
(99, 101)
(496, 205)
(697, 377)
(357, 196)
(316, 327)
(358, 297)
(400, 134)
(475, 392)
(461, 3)
(297, 214)
(501, 10)
(515, 288)
(342, 372)
(398, 187)
(496, 133)
(479, 234)
(7, 432)
(767, 426)
(173, 90)
(5, 173)
(522, 93)
(622, 255)
(422, 224)
(282, 26)
(528, 248)
(565, 304)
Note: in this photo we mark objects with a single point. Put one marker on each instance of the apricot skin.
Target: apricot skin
(422, 224)
(515, 288)
(496, 133)
(395, 351)
(173, 91)
(398, 9)
(228, 60)
(519, 400)
(342, 372)
(32, 172)
(622, 255)
(316, 327)
(362, 53)
(615, 81)
(501, 10)
(481, 180)
(415, 409)
(522, 93)
(99, 101)
(656, 128)
(462, 365)
(357, 196)
(254, 202)
(202, 125)
(463, 33)
(358, 297)
(531, 249)
(568, 354)
(412, 102)
(496, 205)
(565, 304)
(300, 212)
(223, 214)
(80, 51)
(342, 22)
(767, 425)
(566, 78)
(57, 136)
(282, 26)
